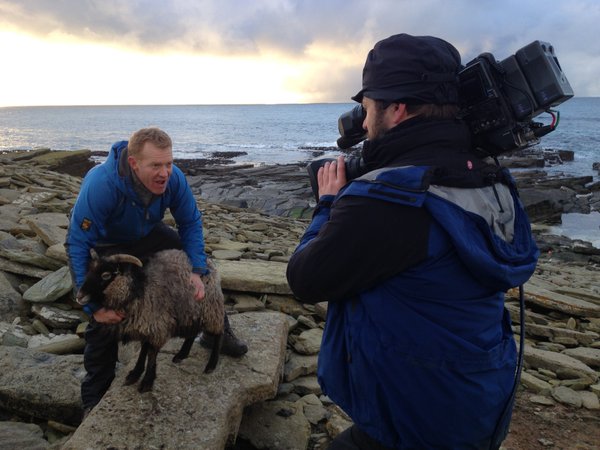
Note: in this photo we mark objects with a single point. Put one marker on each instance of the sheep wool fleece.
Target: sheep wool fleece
(426, 358)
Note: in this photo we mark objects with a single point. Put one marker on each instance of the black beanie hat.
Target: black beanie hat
(414, 69)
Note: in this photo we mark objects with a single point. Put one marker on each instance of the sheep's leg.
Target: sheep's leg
(150, 375)
(214, 354)
(137, 371)
(184, 351)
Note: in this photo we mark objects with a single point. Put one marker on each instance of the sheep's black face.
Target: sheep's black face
(99, 276)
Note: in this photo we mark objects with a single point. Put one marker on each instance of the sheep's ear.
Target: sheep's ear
(94, 255)
(122, 257)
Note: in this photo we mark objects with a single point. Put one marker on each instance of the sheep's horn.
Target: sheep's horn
(122, 257)
(82, 299)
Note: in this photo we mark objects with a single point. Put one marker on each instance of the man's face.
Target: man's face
(153, 167)
(376, 120)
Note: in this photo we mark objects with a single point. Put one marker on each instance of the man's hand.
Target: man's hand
(331, 177)
(198, 287)
(108, 316)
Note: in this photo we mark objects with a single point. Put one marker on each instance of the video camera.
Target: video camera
(498, 101)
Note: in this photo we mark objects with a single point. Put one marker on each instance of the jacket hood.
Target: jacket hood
(122, 176)
(490, 231)
(113, 165)
(475, 202)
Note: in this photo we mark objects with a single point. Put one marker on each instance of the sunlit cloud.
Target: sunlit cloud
(272, 51)
(66, 72)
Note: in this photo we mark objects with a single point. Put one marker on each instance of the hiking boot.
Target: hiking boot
(232, 346)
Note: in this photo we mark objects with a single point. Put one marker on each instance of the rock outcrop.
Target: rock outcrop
(267, 399)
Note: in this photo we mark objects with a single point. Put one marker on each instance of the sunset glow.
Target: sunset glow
(280, 51)
(63, 72)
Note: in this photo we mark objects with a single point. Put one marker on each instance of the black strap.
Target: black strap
(487, 175)
(504, 422)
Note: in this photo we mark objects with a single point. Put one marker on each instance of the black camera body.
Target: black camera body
(498, 101)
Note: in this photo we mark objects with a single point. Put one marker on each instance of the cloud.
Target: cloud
(226, 26)
(293, 29)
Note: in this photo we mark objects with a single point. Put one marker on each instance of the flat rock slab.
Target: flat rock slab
(555, 362)
(558, 302)
(187, 408)
(22, 436)
(41, 385)
(254, 276)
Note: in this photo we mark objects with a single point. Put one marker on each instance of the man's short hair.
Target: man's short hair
(153, 135)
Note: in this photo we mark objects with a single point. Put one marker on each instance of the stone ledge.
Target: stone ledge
(267, 277)
(187, 408)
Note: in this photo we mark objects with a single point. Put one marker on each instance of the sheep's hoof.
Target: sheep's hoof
(145, 387)
(131, 378)
(209, 369)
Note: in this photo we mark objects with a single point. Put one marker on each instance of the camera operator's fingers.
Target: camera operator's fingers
(331, 177)
(323, 178)
(341, 171)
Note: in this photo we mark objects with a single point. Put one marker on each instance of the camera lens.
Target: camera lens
(350, 126)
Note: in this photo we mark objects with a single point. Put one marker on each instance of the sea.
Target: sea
(267, 134)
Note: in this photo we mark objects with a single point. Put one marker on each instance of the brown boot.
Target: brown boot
(232, 346)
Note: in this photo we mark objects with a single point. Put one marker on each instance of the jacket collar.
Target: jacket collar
(130, 180)
(418, 141)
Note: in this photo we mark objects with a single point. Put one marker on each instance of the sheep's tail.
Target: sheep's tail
(213, 305)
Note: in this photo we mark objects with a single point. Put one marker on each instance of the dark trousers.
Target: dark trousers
(101, 346)
(355, 439)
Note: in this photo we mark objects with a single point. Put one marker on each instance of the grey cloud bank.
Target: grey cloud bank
(290, 27)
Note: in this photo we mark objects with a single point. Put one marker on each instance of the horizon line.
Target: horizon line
(202, 104)
(176, 104)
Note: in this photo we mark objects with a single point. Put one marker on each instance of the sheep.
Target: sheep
(158, 301)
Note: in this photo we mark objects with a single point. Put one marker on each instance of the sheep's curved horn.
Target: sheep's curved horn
(122, 257)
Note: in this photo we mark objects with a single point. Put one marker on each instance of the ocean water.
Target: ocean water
(577, 130)
(269, 134)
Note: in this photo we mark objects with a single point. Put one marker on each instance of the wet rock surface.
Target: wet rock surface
(41, 326)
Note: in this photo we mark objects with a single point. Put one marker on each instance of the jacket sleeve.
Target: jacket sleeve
(355, 244)
(86, 225)
(189, 221)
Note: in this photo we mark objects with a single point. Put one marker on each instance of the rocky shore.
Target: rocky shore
(253, 219)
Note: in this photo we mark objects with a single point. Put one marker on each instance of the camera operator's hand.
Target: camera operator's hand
(331, 177)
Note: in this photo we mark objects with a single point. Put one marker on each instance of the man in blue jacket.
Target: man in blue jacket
(414, 258)
(119, 209)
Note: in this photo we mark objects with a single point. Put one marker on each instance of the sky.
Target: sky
(117, 52)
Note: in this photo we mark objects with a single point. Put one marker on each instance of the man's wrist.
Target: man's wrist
(91, 308)
(326, 200)
(202, 271)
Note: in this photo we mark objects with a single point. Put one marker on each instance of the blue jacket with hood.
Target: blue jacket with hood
(109, 211)
(417, 347)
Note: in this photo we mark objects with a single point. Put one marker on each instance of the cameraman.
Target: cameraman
(414, 258)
